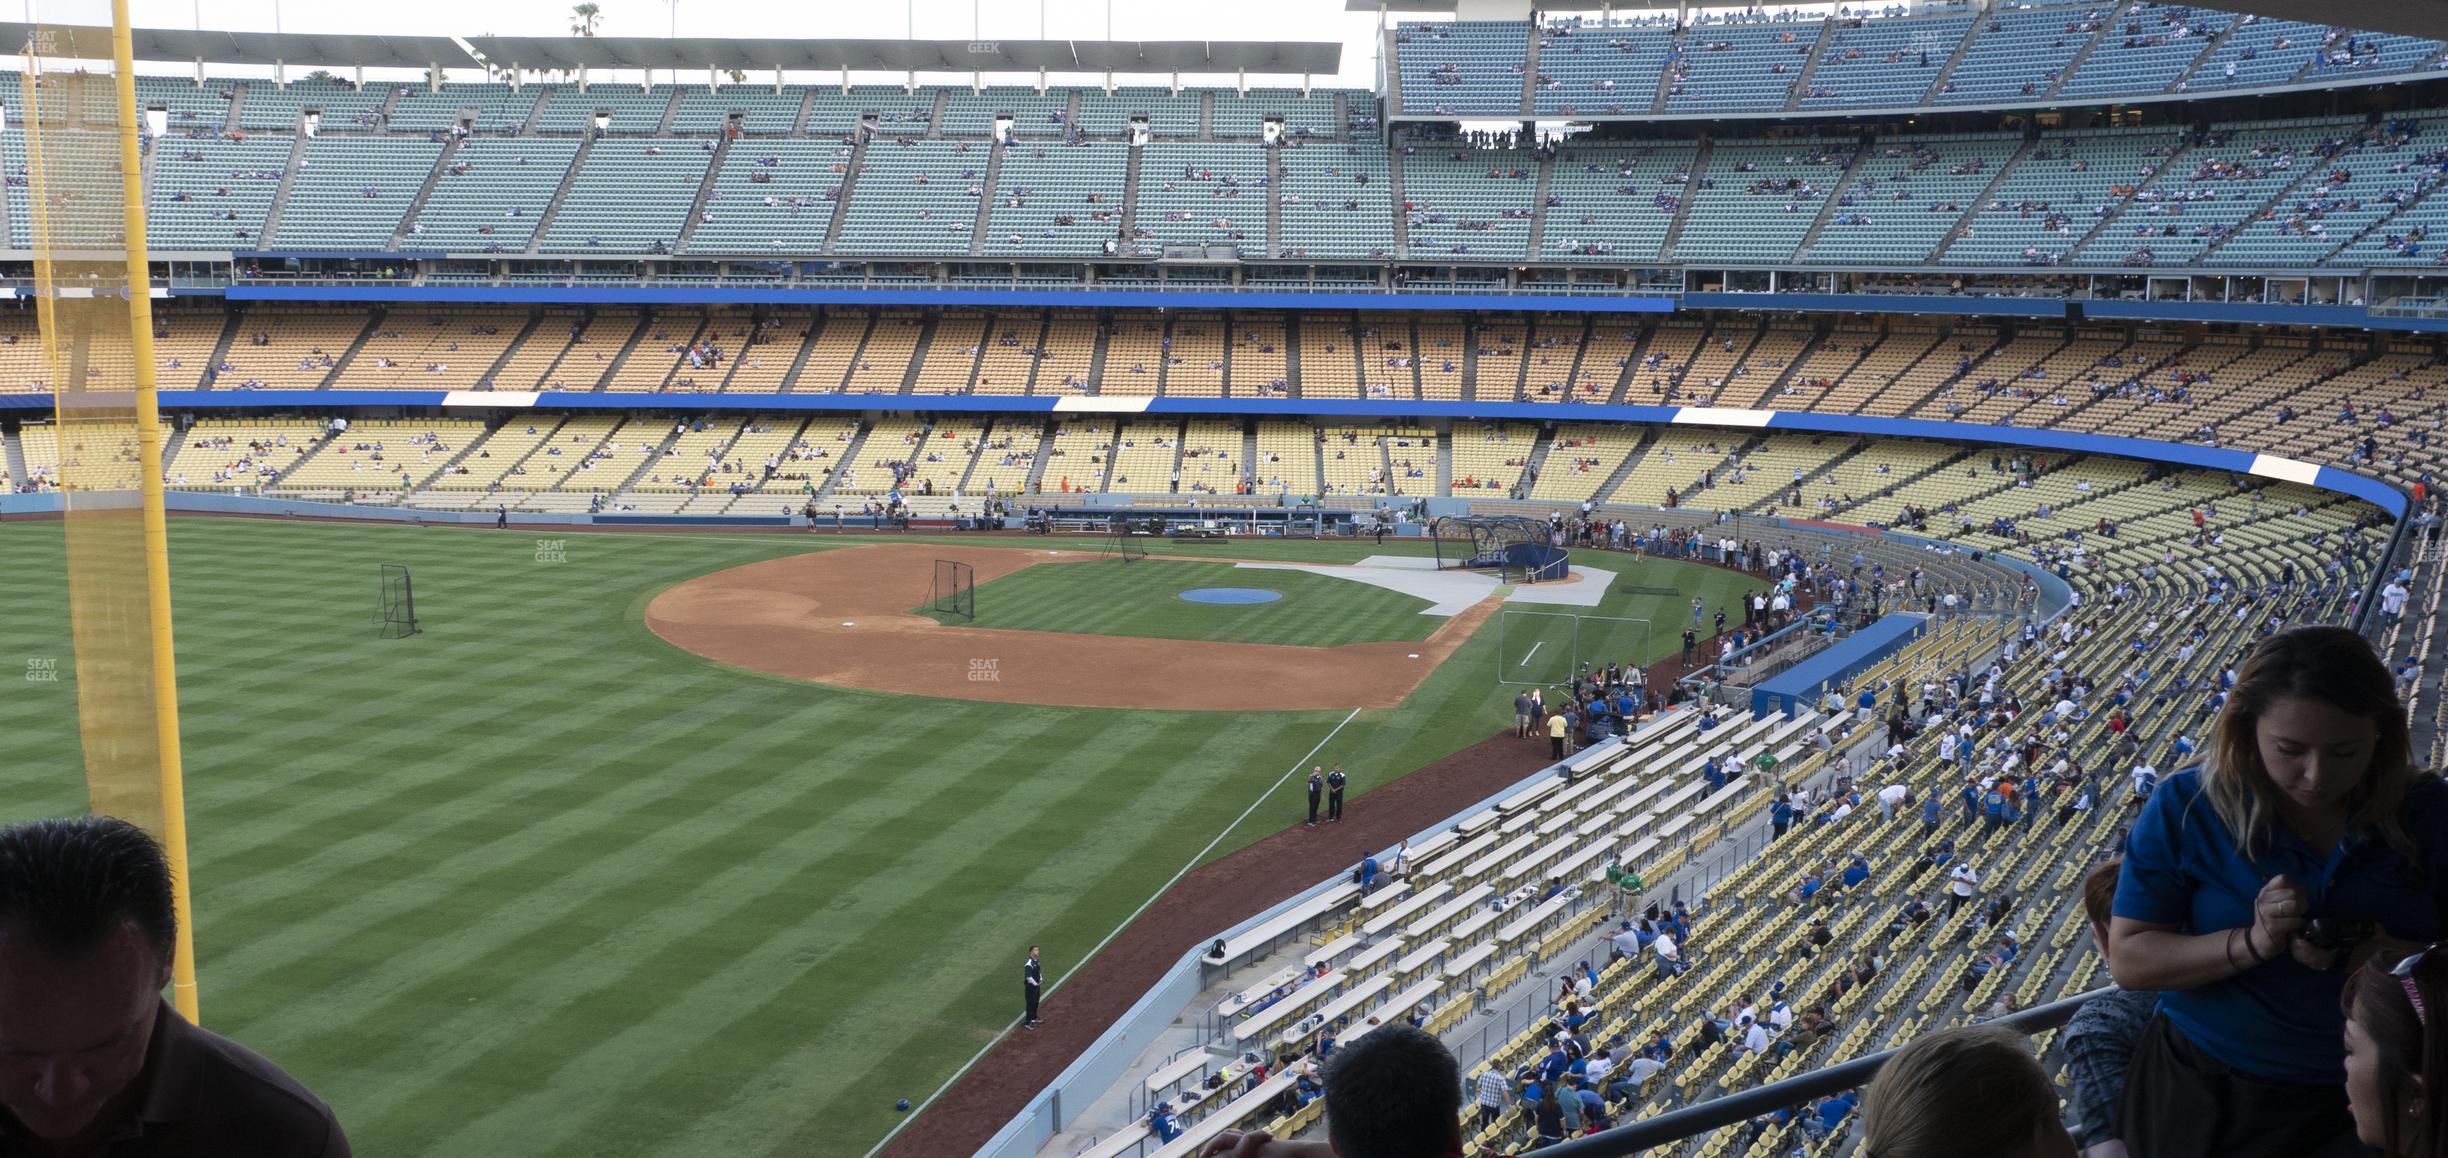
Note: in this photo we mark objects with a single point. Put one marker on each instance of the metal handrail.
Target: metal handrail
(1734, 1109)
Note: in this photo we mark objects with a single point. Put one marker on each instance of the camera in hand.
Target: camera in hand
(2332, 934)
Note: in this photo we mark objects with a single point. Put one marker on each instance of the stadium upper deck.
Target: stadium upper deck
(2064, 142)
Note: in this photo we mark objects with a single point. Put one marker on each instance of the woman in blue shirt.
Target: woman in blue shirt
(2251, 881)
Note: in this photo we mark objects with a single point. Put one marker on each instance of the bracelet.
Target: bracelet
(2258, 959)
(2229, 951)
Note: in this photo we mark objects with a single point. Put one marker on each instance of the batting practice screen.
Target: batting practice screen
(955, 589)
(1547, 648)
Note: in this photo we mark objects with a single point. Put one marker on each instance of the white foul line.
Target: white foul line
(1533, 651)
(1090, 955)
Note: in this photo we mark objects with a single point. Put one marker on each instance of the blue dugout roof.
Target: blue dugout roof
(1808, 679)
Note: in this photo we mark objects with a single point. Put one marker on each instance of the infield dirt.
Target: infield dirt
(843, 617)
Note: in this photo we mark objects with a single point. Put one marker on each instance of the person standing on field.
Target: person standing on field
(1032, 978)
(1521, 715)
(1317, 783)
(1334, 794)
(1557, 725)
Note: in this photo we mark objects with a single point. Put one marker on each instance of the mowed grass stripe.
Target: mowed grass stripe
(1105, 829)
(939, 1038)
(767, 937)
(605, 913)
(485, 856)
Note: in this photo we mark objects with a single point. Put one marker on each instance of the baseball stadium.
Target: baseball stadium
(1471, 579)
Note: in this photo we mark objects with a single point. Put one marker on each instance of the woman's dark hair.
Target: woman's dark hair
(2329, 665)
(2407, 1047)
(69, 884)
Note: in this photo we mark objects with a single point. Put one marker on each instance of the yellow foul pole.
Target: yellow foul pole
(173, 832)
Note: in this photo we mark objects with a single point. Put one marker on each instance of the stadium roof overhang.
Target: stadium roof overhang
(644, 52)
(2424, 18)
(92, 43)
(1152, 56)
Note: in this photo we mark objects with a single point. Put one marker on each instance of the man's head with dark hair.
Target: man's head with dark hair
(1396, 1093)
(68, 885)
(87, 932)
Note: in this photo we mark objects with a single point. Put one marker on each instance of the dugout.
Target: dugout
(1808, 680)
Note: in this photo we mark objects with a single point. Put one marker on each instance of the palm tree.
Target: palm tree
(585, 18)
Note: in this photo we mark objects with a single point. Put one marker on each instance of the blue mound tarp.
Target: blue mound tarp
(1808, 680)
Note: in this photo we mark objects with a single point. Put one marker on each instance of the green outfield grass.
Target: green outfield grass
(1110, 597)
(536, 883)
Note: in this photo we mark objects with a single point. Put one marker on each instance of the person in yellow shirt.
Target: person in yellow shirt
(1558, 726)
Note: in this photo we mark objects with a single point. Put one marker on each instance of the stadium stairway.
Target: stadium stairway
(918, 354)
(705, 191)
(1629, 372)
(1683, 200)
(1530, 83)
(935, 118)
(986, 201)
(612, 366)
(442, 164)
(2380, 225)
(1035, 478)
(1389, 54)
(850, 453)
(1810, 68)
(552, 208)
(1275, 196)
(1535, 464)
(1988, 193)
(2217, 40)
(648, 462)
(526, 330)
(1546, 183)
(1128, 228)
(12, 459)
(289, 172)
(2100, 226)
(374, 323)
(1394, 189)
(1677, 48)
(850, 175)
(2111, 23)
(1843, 186)
(792, 376)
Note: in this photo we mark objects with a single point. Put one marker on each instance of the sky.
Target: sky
(1269, 20)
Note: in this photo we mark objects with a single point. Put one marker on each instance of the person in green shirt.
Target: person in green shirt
(1628, 883)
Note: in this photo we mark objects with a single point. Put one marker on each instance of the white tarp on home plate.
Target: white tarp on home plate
(1452, 591)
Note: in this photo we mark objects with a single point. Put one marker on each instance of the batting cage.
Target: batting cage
(1514, 547)
(955, 589)
(395, 603)
(1548, 648)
